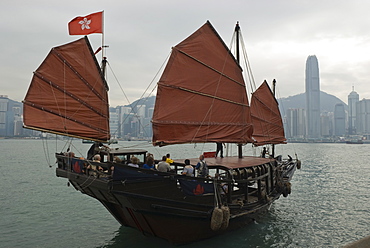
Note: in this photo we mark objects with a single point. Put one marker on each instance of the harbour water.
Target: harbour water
(329, 205)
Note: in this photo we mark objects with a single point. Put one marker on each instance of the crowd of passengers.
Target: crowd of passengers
(163, 166)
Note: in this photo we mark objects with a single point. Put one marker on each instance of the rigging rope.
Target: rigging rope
(46, 152)
(142, 98)
(247, 65)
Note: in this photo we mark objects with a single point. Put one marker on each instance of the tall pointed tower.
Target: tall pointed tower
(313, 97)
(353, 99)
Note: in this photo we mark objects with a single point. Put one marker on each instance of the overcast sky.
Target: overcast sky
(279, 36)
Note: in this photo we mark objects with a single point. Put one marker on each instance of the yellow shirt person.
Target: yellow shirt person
(169, 160)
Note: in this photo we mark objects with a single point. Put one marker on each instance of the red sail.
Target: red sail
(68, 95)
(201, 95)
(267, 122)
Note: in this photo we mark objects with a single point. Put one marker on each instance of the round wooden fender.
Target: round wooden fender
(217, 218)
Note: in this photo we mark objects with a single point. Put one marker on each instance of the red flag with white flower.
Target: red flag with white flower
(83, 25)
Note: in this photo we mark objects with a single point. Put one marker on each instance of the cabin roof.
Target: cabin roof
(231, 162)
(121, 150)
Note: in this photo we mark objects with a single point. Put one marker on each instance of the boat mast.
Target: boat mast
(237, 31)
(273, 91)
(104, 66)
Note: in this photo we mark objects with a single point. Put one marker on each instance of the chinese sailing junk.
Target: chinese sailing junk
(201, 98)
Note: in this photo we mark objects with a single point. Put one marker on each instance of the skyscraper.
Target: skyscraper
(295, 123)
(363, 117)
(353, 99)
(339, 120)
(10, 114)
(313, 97)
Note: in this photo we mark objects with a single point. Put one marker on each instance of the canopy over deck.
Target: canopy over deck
(231, 162)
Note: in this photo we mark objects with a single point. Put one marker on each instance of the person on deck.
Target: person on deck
(263, 155)
(96, 158)
(202, 167)
(134, 162)
(117, 159)
(163, 166)
(95, 167)
(188, 169)
(149, 163)
(94, 149)
(168, 159)
(219, 148)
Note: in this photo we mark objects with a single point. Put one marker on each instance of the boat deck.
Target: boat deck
(231, 162)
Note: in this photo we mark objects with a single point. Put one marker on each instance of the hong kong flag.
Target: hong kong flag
(83, 25)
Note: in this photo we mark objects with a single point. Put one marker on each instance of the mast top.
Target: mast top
(237, 27)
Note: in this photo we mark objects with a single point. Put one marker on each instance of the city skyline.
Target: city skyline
(127, 123)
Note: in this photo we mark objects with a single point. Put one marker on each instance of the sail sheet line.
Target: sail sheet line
(55, 86)
(247, 64)
(210, 67)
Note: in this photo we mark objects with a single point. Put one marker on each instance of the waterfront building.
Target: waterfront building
(141, 111)
(363, 118)
(353, 99)
(10, 117)
(339, 120)
(327, 124)
(313, 97)
(114, 122)
(125, 117)
(295, 123)
(18, 121)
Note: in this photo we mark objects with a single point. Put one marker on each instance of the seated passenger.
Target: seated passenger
(168, 159)
(149, 163)
(96, 158)
(163, 166)
(94, 167)
(188, 169)
(117, 159)
(134, 162)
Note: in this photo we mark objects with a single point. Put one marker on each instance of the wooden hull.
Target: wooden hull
(160, 209)
(160, 204)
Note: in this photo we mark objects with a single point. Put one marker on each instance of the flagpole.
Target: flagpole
(102, 39)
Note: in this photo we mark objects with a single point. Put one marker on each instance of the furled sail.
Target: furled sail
(68, 94)
(267, 123)
(201, 94)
